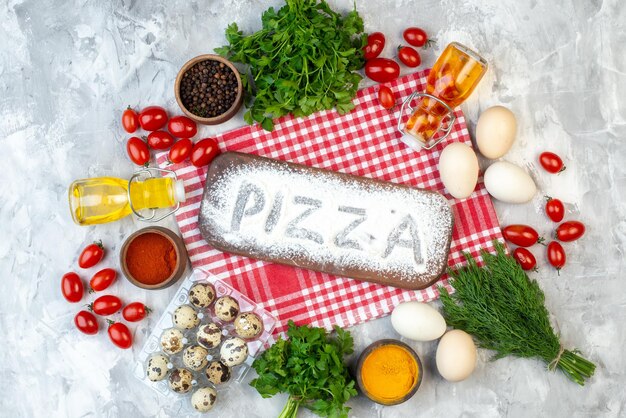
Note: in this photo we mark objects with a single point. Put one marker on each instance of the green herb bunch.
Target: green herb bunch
(504, 310)
(303, 60)
(309, 367)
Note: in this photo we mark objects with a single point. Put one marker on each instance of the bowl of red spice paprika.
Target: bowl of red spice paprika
(153, 258)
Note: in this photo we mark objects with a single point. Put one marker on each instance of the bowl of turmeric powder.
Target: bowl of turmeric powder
(389, 372)
(153, 258)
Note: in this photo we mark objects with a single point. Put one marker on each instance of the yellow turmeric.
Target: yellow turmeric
(389, 373)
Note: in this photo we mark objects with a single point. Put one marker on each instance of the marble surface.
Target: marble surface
(68, 69)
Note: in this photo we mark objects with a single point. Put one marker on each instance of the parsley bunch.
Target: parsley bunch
(303, 60)
(309, 367)
(504, 310)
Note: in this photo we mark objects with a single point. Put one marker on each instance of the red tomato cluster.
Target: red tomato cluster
(73, 290)
(384, 70)
(525, 236)
(154, 119)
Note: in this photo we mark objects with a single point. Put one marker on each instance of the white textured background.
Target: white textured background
(68, 69)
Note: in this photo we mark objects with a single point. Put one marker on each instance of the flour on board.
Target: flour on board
(287, 212)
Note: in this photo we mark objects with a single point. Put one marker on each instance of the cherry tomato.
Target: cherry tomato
(556, 255)
(382, 70)
(72, 287)
(204, 151)
(86, 322)
(91, 255)
(106, 305)
(136, 311)
(130, 120)
(570, 231)
(180, 151)
(138, 151)
(555, 209)
(120, 335)
(525, 258)
(182, 127)
(417, 37)
(522, 235)
(160, 140)
(386, 97)
(375, 45)
(152, 118)
(551, 162)
(409, 56)
(102, 279)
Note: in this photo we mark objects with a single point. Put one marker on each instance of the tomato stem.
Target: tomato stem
(541, 241)
(430, 43)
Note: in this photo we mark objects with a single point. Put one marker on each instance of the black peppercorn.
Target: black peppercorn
(208, 88)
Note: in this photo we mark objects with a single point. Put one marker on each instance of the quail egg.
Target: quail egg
(186, 317)
(248, 325)
(234, 351)
(195, 357)
(181, 380)
(209, 335)
(218, 372)
(172, 341)
(226, 308)
(156, 369)
(203, 399)
(201, 295)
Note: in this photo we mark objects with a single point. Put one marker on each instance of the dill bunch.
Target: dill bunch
(504, 310)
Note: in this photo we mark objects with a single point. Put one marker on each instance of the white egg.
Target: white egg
(418, 321)
(458, 168)
(456, 356)
(509, 183)
(495, 131)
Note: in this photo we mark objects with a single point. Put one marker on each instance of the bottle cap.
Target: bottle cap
(179, 191)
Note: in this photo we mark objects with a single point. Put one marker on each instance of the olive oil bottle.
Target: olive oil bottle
(107, 199)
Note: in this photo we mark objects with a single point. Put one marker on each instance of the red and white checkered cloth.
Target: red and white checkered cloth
(364, 142)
